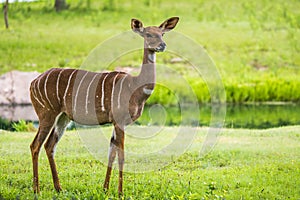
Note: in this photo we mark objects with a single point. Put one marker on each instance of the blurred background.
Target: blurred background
(254, 44)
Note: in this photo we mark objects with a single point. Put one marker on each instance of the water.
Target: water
(252, 116)
(237, 116)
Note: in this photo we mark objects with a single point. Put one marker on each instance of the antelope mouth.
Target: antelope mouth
(160, 49)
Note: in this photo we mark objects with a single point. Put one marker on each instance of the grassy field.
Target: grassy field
(255, 44)
(245, 164)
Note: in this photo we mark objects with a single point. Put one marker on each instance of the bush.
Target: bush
(23, 126)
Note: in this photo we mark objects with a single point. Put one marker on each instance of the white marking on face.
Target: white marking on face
(57, 85)
(102, 91)
(152, 57)
(76, 95)
(68, 85)
(121, 86)
(87, 94)
(147, 91)
(112, 91)
(45, 88)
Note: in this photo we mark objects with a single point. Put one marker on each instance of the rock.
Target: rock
(18, 112)
(14, 87)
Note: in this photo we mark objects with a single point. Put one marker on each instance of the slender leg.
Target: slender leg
(121, 166)
(35, 147)
(116, 146)
(50, 146)
(120, 150)
(111, 158)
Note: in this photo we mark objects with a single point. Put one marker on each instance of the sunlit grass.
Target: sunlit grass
(244, 164)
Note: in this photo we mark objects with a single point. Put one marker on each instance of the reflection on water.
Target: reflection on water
(262, 116)
(237, 116)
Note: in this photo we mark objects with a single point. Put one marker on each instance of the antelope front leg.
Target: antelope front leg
(120, 150)
(111, 158)
(121, 167)
(116, 146)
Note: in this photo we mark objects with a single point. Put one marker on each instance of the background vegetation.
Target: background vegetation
(257, 164)
(255, 45)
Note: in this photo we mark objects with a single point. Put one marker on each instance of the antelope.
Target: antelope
(60, 95)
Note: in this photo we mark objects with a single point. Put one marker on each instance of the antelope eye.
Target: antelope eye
(148, 35)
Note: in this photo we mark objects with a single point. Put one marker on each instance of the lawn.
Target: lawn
(244, 164)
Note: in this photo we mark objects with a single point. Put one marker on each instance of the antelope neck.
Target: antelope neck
(147, 74)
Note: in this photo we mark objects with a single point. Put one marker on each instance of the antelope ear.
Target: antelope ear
(137, 26)
(169, 24)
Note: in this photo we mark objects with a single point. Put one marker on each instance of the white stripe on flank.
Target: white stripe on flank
(38, 87)
(102, 91)
(120, 90)
(45, 88)
(57, 84)
(112, 91)
(38, 101)
(67, 88)
(76, 95)
(87, 93)
(35, 96)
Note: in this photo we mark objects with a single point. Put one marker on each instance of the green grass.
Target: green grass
(245, 164)
(239, 36)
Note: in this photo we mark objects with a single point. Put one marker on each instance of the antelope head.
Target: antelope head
(153, 35)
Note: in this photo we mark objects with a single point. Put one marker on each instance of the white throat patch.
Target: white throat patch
(152, 57)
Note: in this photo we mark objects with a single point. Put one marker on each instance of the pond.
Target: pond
(252, 116)
(237, 116)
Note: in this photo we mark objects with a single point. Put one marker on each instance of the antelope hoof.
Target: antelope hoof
(58, 189)
(36, 190)
(105, 189)
(120, 194)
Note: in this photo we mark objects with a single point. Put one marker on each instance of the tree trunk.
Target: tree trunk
(60, 5)
(5, 14)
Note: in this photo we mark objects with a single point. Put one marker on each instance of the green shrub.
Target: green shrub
(23, 126)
